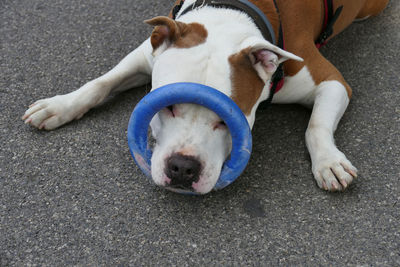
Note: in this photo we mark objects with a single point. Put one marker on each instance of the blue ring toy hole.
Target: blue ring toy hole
(194, 93)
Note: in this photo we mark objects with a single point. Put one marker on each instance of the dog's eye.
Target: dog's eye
(220, 125)
(170, 110)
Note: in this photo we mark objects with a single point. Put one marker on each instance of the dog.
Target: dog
(224, 48)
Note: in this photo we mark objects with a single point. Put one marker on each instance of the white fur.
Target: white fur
(191, 133)
(297, 89)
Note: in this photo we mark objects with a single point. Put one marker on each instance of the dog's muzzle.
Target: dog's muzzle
(193, 93)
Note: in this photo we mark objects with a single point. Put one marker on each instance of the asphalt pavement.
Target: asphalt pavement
(74, 197)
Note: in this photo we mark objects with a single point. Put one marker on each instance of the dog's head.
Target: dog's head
(192, 142)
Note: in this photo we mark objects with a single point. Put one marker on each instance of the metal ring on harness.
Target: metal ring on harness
(199, 94)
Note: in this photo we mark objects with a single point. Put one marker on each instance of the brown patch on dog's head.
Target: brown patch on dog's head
(247, 86)
(179, 34)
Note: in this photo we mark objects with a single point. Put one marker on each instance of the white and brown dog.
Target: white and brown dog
(223, 48)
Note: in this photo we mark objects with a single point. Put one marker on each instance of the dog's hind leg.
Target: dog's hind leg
(134, 70)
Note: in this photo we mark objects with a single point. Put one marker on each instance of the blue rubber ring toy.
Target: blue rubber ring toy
(194, 93)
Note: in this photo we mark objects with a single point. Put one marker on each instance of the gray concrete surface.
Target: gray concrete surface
(73, 197)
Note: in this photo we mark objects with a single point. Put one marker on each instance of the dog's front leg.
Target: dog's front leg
(134, 70)
(330, 167)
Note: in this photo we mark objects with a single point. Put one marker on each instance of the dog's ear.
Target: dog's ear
(165, 30)
(168, 31)
(267, 59)
(265, 56)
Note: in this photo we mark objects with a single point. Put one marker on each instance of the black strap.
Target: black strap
(279, 74)
(176, 9)
(245, 6)
(332, 18)
(281, 42)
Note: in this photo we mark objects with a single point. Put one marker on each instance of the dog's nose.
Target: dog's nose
(182, 170)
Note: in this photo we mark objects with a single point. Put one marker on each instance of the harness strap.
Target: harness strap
(176, 9)
(278, 79)
(329, 21)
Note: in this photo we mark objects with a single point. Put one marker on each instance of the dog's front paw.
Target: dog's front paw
(51, 113)
(333, 171)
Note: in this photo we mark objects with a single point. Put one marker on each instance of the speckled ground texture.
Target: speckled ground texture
(74, 196)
